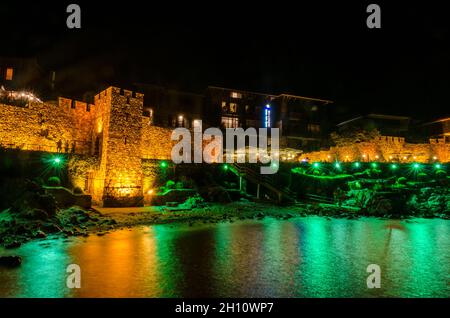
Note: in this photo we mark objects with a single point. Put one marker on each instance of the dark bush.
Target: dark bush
(54, 182)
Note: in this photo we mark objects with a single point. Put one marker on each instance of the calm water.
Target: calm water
(302, 257)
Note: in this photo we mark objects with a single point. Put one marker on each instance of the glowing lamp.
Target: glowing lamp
(357, 164)
(337, 165)
(225, 167)
(57, 161)
(416, 166)
(150, 192)
(374, 164)
(437, 166)
(316, 165)
(163, 164)
(393, 167)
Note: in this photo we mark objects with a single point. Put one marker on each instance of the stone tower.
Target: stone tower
(117, 142)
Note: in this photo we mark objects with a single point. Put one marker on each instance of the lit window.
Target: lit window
(233, 108)
(180, 121)
(267, 116)
(9, 74)
(230, 122)
(236, 95)
(196, 123)
(224, 107)
(313, 128)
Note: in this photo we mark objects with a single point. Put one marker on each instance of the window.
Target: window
(9, 74)
(236, 95)
(233, 108)
(224, 107)
(230, 122)
(315, 128)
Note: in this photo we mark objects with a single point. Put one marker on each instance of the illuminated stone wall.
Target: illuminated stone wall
(41, 125)
(111, 137)
(119, 128)
(156, 142)
(385, 149)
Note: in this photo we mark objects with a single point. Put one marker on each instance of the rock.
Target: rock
(40, 234)
(37, 214)
(260, 215)
(14, 244)
(69, 232)
(10, 261)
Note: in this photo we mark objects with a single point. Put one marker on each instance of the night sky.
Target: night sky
(323, 50)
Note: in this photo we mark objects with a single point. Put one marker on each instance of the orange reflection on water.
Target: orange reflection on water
(118, 260)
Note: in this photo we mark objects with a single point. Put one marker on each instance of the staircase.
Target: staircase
(262, 180)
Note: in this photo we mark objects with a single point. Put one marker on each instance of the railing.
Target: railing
(262, 179)
(80, 147)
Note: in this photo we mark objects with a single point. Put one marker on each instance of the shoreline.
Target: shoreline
(14, 231)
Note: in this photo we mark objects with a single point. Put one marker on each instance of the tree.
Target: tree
(353, 136)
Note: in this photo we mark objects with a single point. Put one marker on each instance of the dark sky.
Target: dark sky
(323, 50)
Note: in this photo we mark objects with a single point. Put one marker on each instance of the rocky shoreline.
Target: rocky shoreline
(19, 228)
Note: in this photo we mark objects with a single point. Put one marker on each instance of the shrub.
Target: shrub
(77, 190)
(179, 185)
(441, 174)
(54, 182)
(422, 176)
(402, 180)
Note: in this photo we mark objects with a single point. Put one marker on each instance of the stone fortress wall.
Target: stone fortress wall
(112, 135)
(384, 149)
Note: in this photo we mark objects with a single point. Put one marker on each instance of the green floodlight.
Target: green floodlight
(225, 167)
(316, 165)
(274, 165)
(438, 166)
(337, 165)
(357, 164)
(163, 164)
(393, 166)
(56, 161)
(374, 164)
(416, 166)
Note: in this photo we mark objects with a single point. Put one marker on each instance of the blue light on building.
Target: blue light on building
(267, 116)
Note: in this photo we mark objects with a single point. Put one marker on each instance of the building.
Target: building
(387, 125)
(437, 129)
(302, 121)
(20, 73)
(169, 107)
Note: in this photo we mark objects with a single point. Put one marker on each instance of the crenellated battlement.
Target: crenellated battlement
(117, 91)
(68, 104)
